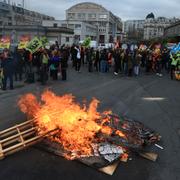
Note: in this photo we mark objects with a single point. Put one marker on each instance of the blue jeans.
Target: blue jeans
(126, 68)
(103, 66)
(6, 77)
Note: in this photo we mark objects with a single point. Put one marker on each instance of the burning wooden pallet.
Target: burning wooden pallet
(23, 135)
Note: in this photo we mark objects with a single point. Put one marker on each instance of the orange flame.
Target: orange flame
(78, 126)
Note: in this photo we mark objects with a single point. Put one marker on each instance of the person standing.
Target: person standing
(73, 55)
(117, 61)
(82, 55)
(125, 57)
(78, 59)
(19, 64)
(54, 64)
(130, 64)
(89, 59)
(174, 63)
(158, 62)
(97, 62)
(137, 62)
(104, 61)
(64, 63)
(7, 65)
(44, 67)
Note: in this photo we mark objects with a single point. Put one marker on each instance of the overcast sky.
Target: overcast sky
(125, 9)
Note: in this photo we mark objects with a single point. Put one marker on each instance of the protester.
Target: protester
(82, 56)
(78, 59)
(1, 78)
(64, 63)
(73, 52)
(130, 65)
(97, 61)
(7, 65)
(137, 62)
(44, 67)
(117, 61)
(104, 61)
(174, 64)
(19, 64)
(54, 64)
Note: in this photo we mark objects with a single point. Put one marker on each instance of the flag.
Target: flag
(34, 45)
(24, 40)
(44, 41)
(5, 42)
(87, 42)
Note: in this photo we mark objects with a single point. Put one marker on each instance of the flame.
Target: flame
(119, 133)
(78, 125)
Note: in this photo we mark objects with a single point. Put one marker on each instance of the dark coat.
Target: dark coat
(8, 66)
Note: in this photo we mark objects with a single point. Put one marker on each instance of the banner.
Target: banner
(34, 45)
(5, 42)
(175, 49)
(44, 41)
(24, 40)
(87, 42)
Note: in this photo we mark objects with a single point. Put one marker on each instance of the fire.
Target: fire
(78, 125)
(119, 133)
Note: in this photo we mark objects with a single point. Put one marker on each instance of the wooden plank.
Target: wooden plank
(93, 162)
(14, 131)
(20, 135)
(1, 152)
(17, 135)
(18, 138)
(22, 145)
(109, 169)
(149, 155)
(14, 127)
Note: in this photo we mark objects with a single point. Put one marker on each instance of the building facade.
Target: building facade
(109, 26)
(60, 34)
(81, 29)
(173, 30)
(154, 27)
(134, 29)
(133, 25)
(12, 15)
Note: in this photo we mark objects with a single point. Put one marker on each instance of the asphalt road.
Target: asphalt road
(152, 100)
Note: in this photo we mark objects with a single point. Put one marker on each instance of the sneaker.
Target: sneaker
(160, 75)
(115, 73)
(157, 74)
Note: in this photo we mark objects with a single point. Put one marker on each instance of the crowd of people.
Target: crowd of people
(21, 65)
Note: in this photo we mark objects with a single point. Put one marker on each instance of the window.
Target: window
(91, 16)
(77, 26)
(103, 16)
(71, 15)
(55, 25)
(64, 25)
(71, 26)
(67, 39)
(81, 15)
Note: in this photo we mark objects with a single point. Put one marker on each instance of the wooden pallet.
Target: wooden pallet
(19, 137)
(24, 135)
